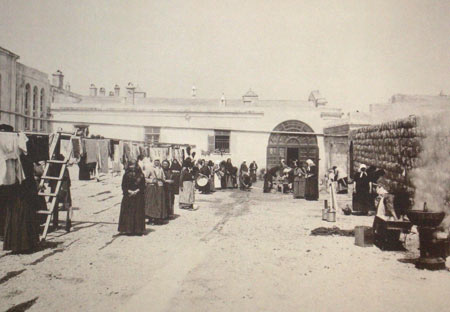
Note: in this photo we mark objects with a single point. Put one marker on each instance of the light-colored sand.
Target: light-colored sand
(239, 251)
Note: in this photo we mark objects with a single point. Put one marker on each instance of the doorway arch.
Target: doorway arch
(292, 146)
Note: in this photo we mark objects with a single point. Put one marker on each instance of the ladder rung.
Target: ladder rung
(45, 212)
(47, 194)
(52, 161)
(51, 178)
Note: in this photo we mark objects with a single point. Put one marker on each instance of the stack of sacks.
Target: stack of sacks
(394, 147)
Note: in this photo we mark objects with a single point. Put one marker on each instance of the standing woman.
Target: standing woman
(229, 173)
(155, 206)
(132, 211)
(223, 174)
(175, 168)
(169, 195)
(253, 171)
(361, 195)
(311, 184)
(187, 178)
(299, 180)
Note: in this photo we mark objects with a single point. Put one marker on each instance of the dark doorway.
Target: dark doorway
(292, 155)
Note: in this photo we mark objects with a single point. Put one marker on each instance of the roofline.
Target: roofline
(10, 53)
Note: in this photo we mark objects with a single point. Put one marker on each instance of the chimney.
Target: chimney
(68, 86)
(93, 90)
(194, 92)
(58, 79)
(116, 90)
(102, 91)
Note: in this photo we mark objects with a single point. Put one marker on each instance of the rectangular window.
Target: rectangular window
(222, 141)
(26, 124)
(152, 134)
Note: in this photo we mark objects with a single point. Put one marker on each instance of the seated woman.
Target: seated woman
(132, 210)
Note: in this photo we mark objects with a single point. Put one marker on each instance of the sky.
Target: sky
(355, 52)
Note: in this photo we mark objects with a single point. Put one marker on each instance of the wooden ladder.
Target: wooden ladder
(51, 198)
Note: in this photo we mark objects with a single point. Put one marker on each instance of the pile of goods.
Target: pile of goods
(394, 147)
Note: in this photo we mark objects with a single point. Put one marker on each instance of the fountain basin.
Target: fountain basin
(425, 218)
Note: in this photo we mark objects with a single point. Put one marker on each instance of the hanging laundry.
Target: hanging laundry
(76, 145)
(91, 149)
(104, 154)
(12, 145)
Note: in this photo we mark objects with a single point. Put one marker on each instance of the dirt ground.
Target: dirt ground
(240, 251)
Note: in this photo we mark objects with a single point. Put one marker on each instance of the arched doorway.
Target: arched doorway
(292, 146)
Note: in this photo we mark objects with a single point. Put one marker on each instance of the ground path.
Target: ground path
(240, 251)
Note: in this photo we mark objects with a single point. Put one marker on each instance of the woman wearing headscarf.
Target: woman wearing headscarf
(187, 178)
(244, 177)
(361, 195)
(132, 210)
(253, 171)
(175, 168)
(217, 175)
(204, 171)
(222, 172)
(229, 173)
(299, 180)
(169, 195)
(212, 182)
(312, 182)
(155, 206)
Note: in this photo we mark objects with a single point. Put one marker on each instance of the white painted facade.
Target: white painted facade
(191, 121)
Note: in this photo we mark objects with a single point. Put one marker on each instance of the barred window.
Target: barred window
(152, 134)
(222, 141)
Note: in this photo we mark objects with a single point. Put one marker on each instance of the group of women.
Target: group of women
(301, 179)
(149, 188)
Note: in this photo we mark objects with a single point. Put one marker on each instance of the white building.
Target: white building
(246, 129)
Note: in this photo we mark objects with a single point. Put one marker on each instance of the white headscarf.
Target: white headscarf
(362, 173)
(309, 162)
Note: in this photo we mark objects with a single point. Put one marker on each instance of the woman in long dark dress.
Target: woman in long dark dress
(229, 173)
(175, 168)
(312, 183)
(361, 196)
(168, 188)
(132, 212)
(22, 224)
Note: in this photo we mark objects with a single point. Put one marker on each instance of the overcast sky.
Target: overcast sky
(355, 52)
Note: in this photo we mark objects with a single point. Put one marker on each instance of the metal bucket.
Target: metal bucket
(331, 216)
(325, 214)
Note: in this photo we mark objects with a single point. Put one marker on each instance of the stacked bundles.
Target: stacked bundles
(394, 147)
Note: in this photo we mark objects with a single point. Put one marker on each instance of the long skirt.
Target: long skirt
(253, 176)
(212, 186)
(187, 196)
(312, 189)
(268, 183)
(169, 199)
(22, 226)
(217, 181)
(361, 203)
(299, 187)
(132, 215)
(155, 202)
(230, 183)
(223, 182)
(176, 183)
